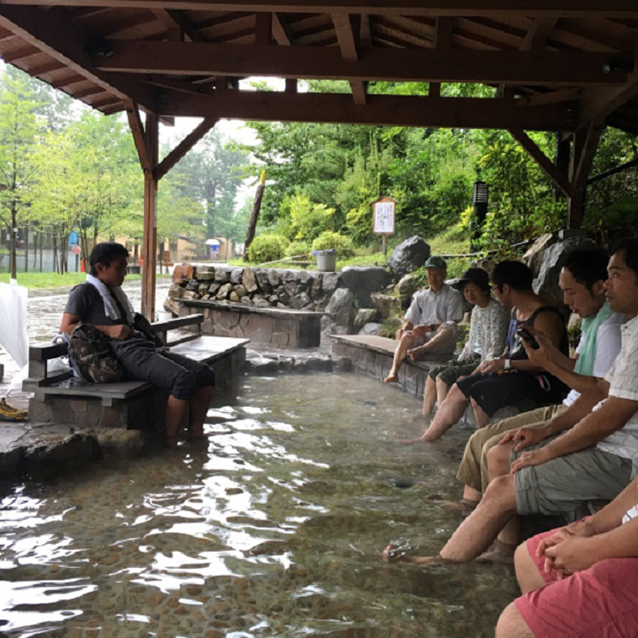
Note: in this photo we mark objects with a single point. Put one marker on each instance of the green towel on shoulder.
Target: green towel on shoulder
(589, 327)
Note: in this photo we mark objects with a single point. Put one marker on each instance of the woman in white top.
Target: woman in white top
(488, 335)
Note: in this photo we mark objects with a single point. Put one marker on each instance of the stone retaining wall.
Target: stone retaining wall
(346, 298)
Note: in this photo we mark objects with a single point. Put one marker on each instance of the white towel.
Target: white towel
(110, 307)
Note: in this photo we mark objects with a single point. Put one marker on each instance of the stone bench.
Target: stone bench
(58, 397)
(372, 355)
(277, 326)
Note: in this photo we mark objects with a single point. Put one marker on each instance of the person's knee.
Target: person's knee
(498, 457)
(184, 385)
(500, 493)
(512, 625)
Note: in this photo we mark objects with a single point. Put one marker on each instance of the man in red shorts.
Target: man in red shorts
(580, 580)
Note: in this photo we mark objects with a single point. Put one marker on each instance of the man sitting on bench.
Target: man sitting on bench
(102, 302)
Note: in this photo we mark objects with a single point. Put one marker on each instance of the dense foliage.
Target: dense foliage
(65, 167)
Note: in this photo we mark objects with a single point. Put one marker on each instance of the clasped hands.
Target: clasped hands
(568, 550)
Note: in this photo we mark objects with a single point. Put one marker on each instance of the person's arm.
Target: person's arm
(609, 418)
(70, 321)
(548, 324)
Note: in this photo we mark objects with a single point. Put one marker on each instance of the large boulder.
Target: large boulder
(383, 302)
(341, 308)
(546, 284)
(364, 316)
(364, 280)
(249, 280)
(372, 329)
(405, 289)
(408, 256)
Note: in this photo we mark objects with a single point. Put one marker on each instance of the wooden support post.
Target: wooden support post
(585, 145)
(149, 247)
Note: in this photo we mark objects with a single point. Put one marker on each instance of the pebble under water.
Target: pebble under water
(275, 527)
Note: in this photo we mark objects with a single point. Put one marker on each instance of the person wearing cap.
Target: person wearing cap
(487, 338)
(431, 321)
(512, 378)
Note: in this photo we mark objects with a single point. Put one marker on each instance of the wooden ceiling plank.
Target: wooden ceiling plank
(189, 58)
(20, 54)
(59, 38)
(43, 69)
(469, 8)
(92, 90)
(67, 81)
(380, 110)
(559, 179)
(183, 147)
(139, 137)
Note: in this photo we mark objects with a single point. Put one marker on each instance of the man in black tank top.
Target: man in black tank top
(511, 378)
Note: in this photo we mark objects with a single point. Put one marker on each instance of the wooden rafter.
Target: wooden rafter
(183, 147)
(63, 41)
(536, 37)
(263, 29)
(542, 160)
(139, 137)
(191, 58)
(469, 8)
(348, 45)
(281, 30)
(393, 110)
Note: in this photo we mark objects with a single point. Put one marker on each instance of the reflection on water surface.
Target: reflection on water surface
(276, 529)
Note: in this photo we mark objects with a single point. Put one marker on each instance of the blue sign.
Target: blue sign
(74, 238)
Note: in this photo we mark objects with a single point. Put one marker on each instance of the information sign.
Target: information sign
(383, 216)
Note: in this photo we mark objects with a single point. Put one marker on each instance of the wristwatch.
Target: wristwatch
(507, 365)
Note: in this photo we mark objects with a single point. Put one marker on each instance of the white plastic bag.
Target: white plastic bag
(13, 322)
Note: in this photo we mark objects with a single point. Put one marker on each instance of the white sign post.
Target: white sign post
(383, 219)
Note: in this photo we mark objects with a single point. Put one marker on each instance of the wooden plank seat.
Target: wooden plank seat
(286, 327)
(58, 397)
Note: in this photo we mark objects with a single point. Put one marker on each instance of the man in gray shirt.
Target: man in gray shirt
(100, 301)
(431, 321)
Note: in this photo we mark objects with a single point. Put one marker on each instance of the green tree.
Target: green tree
(18, 129)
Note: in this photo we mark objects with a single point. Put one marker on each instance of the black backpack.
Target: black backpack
(90, 355)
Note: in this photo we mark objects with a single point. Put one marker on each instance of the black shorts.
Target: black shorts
(167, 370)
(496, 390)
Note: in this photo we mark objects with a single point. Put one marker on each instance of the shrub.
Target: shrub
(298, 248)
(268, 247)
(339, 243)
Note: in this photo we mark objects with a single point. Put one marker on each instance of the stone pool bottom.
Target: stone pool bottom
(275, 527)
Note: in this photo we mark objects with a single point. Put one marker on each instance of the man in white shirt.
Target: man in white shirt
(431, 321)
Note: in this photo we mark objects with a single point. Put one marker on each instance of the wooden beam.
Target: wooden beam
(176, 19)
(263, 29)
(197, 58)
(291, 85)
(536, 37)
(345, 36)
(139, 137)
(149, 245)
(551, 97)
(393, 110)
(26, 52)
(559, 179)
(585, 145)
(72, 79)
(183, 147)
(63, 41)
(281, 30)
(468, 8)
(599, 104)
(359, 92)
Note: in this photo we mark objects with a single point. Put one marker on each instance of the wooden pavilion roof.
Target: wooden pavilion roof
(553, 64)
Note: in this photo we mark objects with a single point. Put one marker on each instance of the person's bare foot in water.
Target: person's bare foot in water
(392, 378)
(392, 555)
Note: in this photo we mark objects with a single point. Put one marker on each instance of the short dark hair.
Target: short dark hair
(104, 253)
(476, 276)
(513, 273)
(587, 266)
(630, 249)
